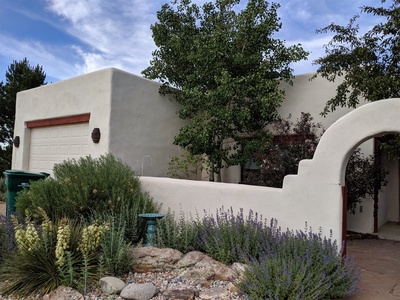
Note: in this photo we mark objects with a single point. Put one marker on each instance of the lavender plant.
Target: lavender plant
(224, 235)
(298, 266)
(282, 265)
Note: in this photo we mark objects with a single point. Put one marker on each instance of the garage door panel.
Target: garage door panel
(53, 145)
(53, 150)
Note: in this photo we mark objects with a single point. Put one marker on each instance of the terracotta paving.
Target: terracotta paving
(379, 263)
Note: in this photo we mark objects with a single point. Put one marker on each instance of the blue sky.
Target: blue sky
(74, 37)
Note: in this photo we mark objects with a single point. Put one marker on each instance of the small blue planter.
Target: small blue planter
(151, 220)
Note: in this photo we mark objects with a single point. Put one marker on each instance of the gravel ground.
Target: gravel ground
(163, 281)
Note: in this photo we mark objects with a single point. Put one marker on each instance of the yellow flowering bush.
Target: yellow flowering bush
(91, 237)
(63, 236)
(27, 238)
(47, 224)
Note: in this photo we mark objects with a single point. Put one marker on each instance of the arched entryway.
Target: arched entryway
(372, 120)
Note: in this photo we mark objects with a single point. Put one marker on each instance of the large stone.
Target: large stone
(198, 274)
(190, 259)
(135, 291)
(152, 259)
(198, 266)
(188, 294)
(64, 293)
(111, 285)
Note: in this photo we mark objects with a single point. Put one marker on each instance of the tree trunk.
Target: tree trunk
(211, 174)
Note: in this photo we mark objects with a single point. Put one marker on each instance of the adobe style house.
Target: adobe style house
(112, 111)
(108, 111)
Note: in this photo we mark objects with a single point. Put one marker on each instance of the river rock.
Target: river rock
(111, 285)
(139, 291)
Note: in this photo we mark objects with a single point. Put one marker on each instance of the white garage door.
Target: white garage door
(54, 144)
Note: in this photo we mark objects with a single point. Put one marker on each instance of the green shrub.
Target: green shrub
(115, 255)
(52, 254)
(176, 233)
(86, 186)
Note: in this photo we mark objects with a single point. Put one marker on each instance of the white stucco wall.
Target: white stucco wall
(143, 124)
(313, 196)
(306, 95)
(89, 93)
(311, 96)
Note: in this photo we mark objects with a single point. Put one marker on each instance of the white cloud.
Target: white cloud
(315, 47)
(37, 53)
(73, 10)
(116, 33)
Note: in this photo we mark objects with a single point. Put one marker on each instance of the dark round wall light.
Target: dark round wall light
(16, 141)
(96, 135)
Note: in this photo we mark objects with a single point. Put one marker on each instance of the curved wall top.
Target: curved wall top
(342, 137)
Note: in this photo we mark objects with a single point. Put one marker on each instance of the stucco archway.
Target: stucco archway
(342, 138)
(327, 168)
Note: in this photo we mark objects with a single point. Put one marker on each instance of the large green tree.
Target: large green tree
(368, 63)
(224, 66)
(20, 76)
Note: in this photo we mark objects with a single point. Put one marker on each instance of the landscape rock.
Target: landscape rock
(190, 259)
(139, 291)
(198, 266)
(194, 265)
(152, 259)
(64, 293)
(111, 285)
(188, 294)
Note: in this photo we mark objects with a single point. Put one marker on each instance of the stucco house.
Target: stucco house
(112, 111)
(108, 111)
